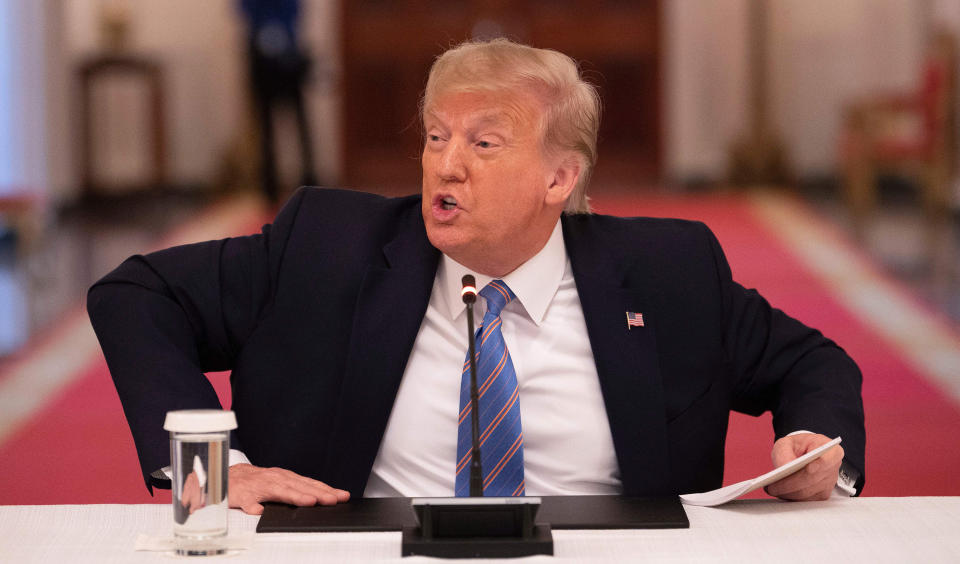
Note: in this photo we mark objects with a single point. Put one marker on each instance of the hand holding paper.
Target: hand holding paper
(778, 477)
(817, 479)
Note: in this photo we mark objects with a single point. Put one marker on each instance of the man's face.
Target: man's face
(487, 201)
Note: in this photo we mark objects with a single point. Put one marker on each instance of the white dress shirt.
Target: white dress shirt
(568, 448)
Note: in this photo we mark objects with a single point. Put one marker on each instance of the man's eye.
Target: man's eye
(433, 138)
(484, 144)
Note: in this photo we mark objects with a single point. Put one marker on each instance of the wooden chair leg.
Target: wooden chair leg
(935, 187)
(859, 187)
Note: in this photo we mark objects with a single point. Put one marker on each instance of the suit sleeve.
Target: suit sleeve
(781, 365)
(166, 318)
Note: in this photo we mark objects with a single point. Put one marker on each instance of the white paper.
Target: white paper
(733, 491)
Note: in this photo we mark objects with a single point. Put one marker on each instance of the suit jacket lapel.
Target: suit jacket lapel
(626, 359)
(390, 307)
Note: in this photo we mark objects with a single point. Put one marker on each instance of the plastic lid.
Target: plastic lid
(200, 421)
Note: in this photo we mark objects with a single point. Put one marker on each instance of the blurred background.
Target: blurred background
(126, 125)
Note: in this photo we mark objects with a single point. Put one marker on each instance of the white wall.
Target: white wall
(201, 45)
(197, 44)
(706, 84)
(321, 35)
(23, 151)
(822, 54)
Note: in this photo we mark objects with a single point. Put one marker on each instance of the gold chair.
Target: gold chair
(910, 134)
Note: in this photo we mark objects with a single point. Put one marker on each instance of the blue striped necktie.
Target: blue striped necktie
(501, 435)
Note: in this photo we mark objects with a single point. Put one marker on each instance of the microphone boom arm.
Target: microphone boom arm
(469, 295)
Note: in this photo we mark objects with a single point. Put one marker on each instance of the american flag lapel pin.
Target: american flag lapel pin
(634, 320)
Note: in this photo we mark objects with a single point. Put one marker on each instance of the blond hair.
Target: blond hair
(572, 107)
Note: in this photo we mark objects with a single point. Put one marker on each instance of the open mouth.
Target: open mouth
(448, 203)
(445, 207)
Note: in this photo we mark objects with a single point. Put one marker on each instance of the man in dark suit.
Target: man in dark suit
(624, 343)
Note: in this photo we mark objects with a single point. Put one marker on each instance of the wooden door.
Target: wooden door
(388, 47)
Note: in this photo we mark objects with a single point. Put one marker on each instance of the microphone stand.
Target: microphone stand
(475, 526)
(476, 471)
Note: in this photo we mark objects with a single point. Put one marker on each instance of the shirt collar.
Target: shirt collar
(534, 282)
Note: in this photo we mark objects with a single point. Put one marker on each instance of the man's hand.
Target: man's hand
(250, 485)
(191, 497)
(816, 480)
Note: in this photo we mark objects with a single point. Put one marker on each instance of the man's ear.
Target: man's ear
(565, 178)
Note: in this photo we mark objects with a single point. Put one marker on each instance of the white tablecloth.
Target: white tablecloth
(918, 529)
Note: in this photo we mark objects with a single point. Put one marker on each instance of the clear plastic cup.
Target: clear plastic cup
(199, 457)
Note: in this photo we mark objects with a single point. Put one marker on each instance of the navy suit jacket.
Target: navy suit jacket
(316, 317)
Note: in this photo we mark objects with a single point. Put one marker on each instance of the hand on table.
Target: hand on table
(816, 480)
(191, 498)
(250, 485)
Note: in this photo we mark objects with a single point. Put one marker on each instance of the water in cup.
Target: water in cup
(199, 457)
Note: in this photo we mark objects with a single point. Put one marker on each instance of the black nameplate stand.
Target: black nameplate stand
(477, 528)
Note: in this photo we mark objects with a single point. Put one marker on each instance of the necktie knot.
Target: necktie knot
(498, 295)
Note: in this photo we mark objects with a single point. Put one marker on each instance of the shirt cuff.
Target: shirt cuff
(846, 480)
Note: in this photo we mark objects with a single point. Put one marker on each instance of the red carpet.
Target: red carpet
(77, 449)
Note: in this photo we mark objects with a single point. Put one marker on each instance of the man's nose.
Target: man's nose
(452, 167)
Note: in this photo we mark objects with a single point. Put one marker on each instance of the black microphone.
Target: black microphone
(462, 527)
(469, 296)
